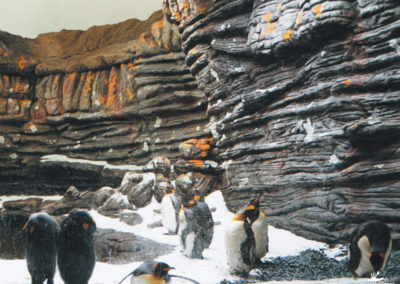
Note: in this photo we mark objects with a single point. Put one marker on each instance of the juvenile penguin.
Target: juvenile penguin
(207, 217)
(369, 249)
(196, 228)
(76, 251)
(41, 255)
(259, 225)
(170, 206)
(240, 244)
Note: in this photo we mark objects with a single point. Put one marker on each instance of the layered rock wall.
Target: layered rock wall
(118, 94)
(303, 97)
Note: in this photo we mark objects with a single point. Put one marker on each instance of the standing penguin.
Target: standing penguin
(240, 243)
(196, 228)
(259, 225)
(170, 206)
(76, 251)
(41, 253)
(369, 249)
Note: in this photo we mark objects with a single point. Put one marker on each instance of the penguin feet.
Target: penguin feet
(261, 264)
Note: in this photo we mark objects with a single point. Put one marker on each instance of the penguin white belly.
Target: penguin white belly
(260, 229)
(189, 241)
(168, 218)
(235, 235)
(364, 267)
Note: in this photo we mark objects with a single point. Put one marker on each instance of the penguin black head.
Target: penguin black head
(157, 269)
(79, 220)
(253, 209)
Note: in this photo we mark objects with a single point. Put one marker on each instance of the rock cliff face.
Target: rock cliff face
(119, 94)
(303, 97)
(294, 101)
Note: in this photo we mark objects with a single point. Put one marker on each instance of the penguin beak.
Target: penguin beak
(168, 268)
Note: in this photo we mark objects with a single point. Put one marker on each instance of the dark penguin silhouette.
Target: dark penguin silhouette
(76, 251)
(259, 225)
(196, 228)
(170, 206)
(240, 243)
(42, 231)
(153, 272)
(369, 249)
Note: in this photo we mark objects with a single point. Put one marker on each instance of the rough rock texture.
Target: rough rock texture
(303, 106)
(119, 94)
(294, 101)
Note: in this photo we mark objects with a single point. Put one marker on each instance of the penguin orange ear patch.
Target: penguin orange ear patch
(85, 226)
(250, 207)
(31, 229)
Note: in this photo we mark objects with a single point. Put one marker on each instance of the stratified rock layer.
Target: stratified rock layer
(119, 94)
(304, 106)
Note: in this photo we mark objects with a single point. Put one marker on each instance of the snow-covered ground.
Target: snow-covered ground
(212, 269)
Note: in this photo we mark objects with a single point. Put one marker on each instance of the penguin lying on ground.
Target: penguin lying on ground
(153, 272)
(196, 228)
(240, 243)
(42, 231)
(369, 249)
(259, 225)
(170, 206)
(76, 251)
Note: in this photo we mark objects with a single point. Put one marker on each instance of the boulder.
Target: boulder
(138, 187)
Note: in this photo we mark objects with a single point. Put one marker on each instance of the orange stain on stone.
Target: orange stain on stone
(185, 5)
(317, 9)
(203, 144)
(88, 84)
(151, 44)
(346, 82)
(202, 10)
(270, 26)
(300, 18)
(278, 7)
(130, 94)
(197, 163)
(288, 35)
(23, 63)
(178, 16)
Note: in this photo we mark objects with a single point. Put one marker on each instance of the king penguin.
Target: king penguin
(240, 243)
(196, 228)
(369, 249)
(150, 272)
(170, 207)
(76, 252)
(41, 255)
(259, 225)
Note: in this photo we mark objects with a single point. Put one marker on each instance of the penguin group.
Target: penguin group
(70, 245)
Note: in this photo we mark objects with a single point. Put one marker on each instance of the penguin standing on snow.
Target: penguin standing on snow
(170, 207)
(42, 231)
(240, 243)
(369, 249)
(259, 225)
(76, 251)
(196, 228)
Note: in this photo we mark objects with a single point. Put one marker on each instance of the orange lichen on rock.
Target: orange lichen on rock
(157, 26)
(3, 53)
(20, 87)
(23, 63)
(88, 84)
(185, 6)
(130, 94)
(278, 7)
(178, 16)
(202, 144)
(299, 18)
(270, 26)
(346, 82)
(197, 163)
(288, 35)
(317, 9)
(202, 10)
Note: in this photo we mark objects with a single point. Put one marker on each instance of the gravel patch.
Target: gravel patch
(314, 265)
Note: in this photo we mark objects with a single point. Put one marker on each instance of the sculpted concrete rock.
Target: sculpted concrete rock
(301, 97)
